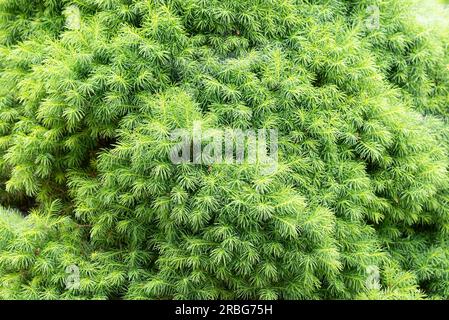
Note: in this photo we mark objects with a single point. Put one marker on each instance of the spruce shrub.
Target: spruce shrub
(90, 91)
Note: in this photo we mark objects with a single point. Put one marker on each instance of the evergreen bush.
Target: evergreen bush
(90, 91)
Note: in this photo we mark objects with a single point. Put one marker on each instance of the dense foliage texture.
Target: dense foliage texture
(86, 111)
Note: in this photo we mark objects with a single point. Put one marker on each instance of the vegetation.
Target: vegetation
(87, 104)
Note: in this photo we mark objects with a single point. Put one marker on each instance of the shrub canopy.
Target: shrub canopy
(90, 91)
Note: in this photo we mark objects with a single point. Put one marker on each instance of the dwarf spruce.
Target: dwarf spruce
(93, 207)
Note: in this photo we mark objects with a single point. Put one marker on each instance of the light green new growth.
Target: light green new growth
(86, 114)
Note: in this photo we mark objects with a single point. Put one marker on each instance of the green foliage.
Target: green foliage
(85, 122)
